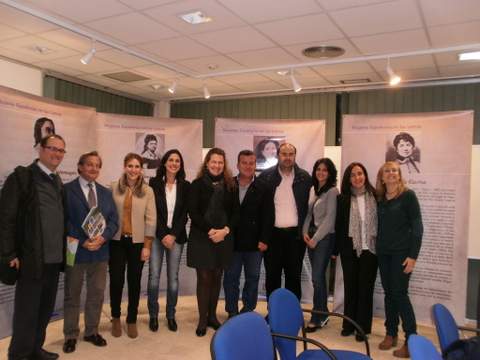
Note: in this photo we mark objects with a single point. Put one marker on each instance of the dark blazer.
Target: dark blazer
(20, 223)
(343, 243)
(76, 211)
(179, 213)
(202, 253)
(249, 230)
(302, 183)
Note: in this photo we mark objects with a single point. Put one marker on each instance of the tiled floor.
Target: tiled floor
(184, 344)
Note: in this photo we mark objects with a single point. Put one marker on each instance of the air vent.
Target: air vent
(126, 76)
(319, 52)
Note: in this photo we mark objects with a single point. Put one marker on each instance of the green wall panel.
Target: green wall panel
(302, 106)
(103, 101)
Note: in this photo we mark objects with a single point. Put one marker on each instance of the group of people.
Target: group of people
(235, 223)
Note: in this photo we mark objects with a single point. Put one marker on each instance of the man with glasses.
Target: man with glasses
(32, 240)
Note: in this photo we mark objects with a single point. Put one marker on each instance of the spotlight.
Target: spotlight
(173, 87)
(296, 86)
(206, 93)
(394, 78)
(88, 57)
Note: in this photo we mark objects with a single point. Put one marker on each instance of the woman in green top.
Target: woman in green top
(399, 239)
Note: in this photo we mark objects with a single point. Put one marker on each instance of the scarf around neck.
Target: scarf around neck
(370, 221)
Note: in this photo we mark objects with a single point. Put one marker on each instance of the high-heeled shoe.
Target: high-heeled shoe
(214, 324)
(201, 331)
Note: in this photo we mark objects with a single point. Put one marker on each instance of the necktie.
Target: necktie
(92, 200)
(56, 180)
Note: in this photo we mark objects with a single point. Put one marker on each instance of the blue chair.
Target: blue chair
(421, 348)
(285, 317)
(243, 337)
(446, 326)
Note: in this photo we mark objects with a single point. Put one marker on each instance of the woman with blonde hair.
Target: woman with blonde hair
(399, 239)
(210, 247)
(130, 247)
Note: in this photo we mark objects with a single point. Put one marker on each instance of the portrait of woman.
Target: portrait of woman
(356, 235)
(266, 153)
(171, 194)
(43, 127)
(399, 239)
(210, 246)
(319, 234)
(151, 159)
(405, 153)
(131, 246)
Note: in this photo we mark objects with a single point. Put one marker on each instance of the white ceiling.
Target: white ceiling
(246, 41)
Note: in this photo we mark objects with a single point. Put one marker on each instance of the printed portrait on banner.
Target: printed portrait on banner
(266, 148)
(404, 149)
(150, 147)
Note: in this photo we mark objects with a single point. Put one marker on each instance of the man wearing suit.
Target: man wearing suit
(32, 238)
(248, 245)
(91, 258)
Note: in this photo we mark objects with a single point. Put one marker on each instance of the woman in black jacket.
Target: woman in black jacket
(171, 194)
(356, 231)
(210, 245)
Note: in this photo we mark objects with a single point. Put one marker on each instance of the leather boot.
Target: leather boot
(132, 331)
(388, 342)
(402, 352)
(116, 327)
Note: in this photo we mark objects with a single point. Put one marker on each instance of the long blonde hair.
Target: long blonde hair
(380, 185)
(137, 189)
(227, 173)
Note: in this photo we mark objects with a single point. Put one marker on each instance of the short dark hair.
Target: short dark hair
(162, 172)
(331, 179)
(37, 129)
(346, 187)
(245, 152)
(44, 140)
(83, 158)
(405, 137)
(286, 144)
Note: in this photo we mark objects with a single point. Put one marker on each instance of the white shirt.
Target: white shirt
(44, 168)
(285, 207)
(85, 188)
(171, 197)
(361, 210)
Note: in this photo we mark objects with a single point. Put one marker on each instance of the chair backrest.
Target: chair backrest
(285, 317)
(243, 337)
(421, 348)
(447, 330)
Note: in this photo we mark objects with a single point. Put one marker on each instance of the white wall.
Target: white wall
(21, 77)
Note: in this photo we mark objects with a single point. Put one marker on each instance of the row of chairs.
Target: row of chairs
(248, 336)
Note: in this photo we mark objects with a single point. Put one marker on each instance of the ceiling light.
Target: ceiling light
(88, 57)
(172, 88)
(323, 52)
(394, 78)
(282, 72)
(195, 18)
(296, 86)
(206, 93)
(475, 55)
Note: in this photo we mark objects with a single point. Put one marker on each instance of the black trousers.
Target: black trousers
(33, 307)
(125, 254)
(285, 253)
(359, 274)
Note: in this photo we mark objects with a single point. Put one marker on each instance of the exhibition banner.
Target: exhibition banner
(25, 119)
(434, 152)
(264, 136)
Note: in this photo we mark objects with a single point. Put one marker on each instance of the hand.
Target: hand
(145, 254)
(168, 241)
(15, 263)
(262, 246)
(409, 264)
(217, 235)
(310, 243)
(95, 243)
(333, 257)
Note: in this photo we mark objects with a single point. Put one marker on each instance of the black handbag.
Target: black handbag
(8, 274)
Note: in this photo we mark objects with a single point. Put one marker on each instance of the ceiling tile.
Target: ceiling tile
(450, 11)
(27, 44)
(234, 40)
(94, 67)
(336, 79)
(300, 72)
(414, 74)
(447, 58)
(389, 17)
(264, 58)
(71, 40)
(121, 58)
(126, 28)
(14, 55)
(155, 71)
(80, 11)
(301, 29)
(266, 85)
(22, 21)
(296, 50)
(342, 4)
(458, 34)
(403, 63)
(169, 15)
(392, 42)
(343, 69)
(461, 70)
(59, 68)
(177, 49)
(241, 79)
(144, 4)
(217, 63)
(194, 83)
(255, 11)
(7, 32)
(305, 76)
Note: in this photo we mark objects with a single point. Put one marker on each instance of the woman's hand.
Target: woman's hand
(145, 254)
(409, 264)
(310, 243)
(15, 263)
(168, 241)
(217, 235)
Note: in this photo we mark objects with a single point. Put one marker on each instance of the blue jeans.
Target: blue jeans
(319, 258)
(173, 264)
(251, 261)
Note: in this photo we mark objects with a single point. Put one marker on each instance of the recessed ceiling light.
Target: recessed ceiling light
(475, 55)
(195, 18)
(323, 51)
(156, 87)
(212, 66)
(282, 72)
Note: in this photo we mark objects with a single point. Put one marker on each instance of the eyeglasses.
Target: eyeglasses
(55, 149)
